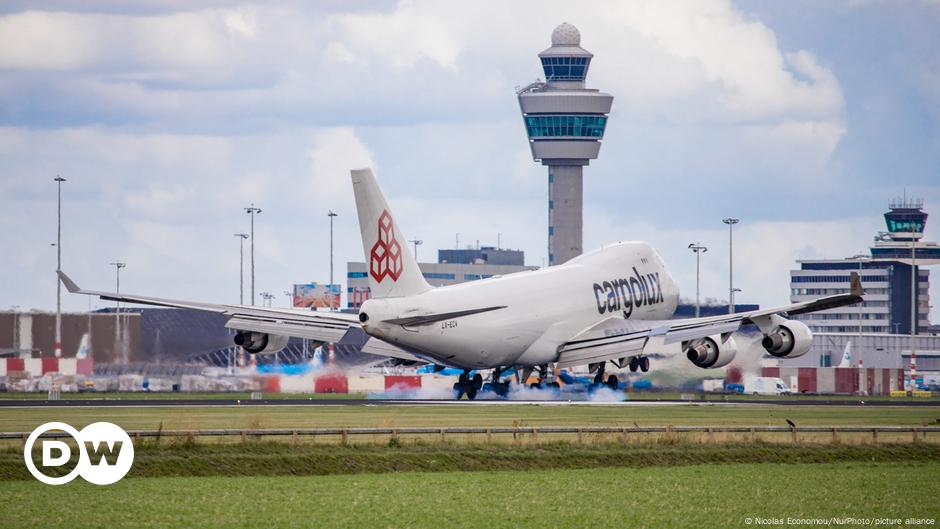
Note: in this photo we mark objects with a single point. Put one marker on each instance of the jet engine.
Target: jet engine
(790, 339)
(259, 342)
(711, 352)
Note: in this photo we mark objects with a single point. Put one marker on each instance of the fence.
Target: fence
(345, 433)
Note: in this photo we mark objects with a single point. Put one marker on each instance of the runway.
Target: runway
(24, 403)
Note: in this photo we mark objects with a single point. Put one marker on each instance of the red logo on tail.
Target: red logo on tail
(385, 258)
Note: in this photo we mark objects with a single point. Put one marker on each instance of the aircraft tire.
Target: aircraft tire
(613, 382)
(644, 364)
(458, 390)
(634, 364)
(472, 393)
(477, 382)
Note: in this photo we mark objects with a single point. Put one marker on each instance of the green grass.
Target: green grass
(177, 459)
(700, 496)
(203, 417)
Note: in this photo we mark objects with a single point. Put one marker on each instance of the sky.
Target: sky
(167, 118)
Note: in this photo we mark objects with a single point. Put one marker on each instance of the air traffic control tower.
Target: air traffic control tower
(565, 122)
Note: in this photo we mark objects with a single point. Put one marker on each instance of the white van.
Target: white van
(765, 386)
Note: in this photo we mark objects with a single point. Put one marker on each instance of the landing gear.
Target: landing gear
(598, 372)
(475, 384)
(543, 375)
(468, 386)
(496, 385)
(641, 363)
(613, 383)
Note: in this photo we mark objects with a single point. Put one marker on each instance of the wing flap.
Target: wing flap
(588, 354)
(310, 329)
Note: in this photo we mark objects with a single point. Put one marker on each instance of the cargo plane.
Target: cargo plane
(608, 306)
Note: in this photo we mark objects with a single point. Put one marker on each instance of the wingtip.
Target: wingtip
(67, 281)
(855, 285)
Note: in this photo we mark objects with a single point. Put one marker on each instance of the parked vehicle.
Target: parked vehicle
(766, 386)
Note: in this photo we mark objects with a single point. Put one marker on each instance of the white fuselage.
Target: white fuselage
(543, 308)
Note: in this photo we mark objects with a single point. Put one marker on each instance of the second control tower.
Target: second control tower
(565, 122)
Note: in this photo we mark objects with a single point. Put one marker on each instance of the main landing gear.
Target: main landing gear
(467, 385)
(496, 385)
(612, 381)
(543, 375)
(639, 362)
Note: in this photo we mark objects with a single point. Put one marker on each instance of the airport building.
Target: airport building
(886, 275)
(453, 267)
(565, 123)
(880, 327)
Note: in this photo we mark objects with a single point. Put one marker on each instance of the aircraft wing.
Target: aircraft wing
(616, 337)
(336, 327)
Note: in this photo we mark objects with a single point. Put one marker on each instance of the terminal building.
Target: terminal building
(880, 328)
(565, 123)
(454, 266)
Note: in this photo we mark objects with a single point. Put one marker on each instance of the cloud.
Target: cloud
(334, 153)
(694, 62)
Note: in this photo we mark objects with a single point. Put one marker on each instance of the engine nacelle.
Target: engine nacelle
(790, 339)
(261, 343)
(710, 352)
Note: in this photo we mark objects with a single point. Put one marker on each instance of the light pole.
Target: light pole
(241, 267)
(698, 249)
(331, 215)
(730, 221)
(290, 298)
(118, 265)
(58, 266)
(252, 210)
(416, 242)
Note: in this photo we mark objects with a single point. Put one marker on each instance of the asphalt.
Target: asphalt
(24, 403)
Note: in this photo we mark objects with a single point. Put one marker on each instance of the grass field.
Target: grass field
(641, 482)
(699, 496)
(175, 458)
(196, 417)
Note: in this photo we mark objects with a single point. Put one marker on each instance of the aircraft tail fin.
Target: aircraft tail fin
(846, 355)
(393, 271)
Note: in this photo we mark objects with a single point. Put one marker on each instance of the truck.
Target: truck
(765, 386)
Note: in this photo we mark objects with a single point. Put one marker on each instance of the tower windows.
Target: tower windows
(565, 68)
(589, 126)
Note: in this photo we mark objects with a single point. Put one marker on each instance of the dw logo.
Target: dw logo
(105, 453)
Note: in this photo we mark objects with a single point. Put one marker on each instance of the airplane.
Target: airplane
(846, 355)
(612, 304)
